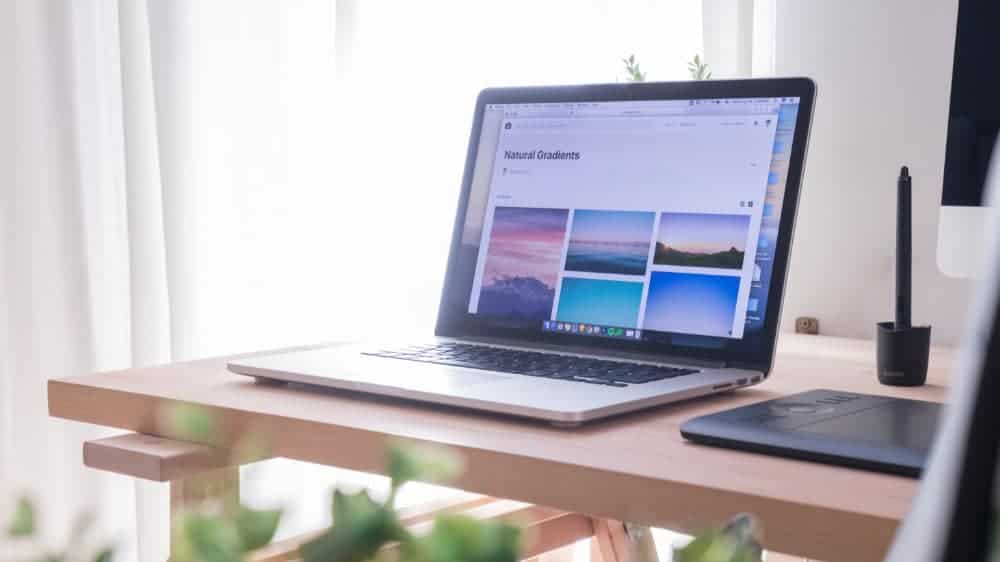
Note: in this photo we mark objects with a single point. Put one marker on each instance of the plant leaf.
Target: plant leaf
(717, 546)
(256, 527)
(23, 523)
(210, 539)
(192, 423)
(360, 528)
(456, 538)
(632, 70)
(105, 555)
(350, 508)
(424, 463)
(708, 547)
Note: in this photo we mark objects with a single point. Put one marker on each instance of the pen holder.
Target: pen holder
(902, 354)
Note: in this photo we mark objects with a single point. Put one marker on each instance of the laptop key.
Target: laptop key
(536, 364)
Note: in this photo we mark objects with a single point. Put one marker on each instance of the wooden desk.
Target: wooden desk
(634, 468)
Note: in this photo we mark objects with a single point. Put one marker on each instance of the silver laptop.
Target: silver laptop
(616, 247)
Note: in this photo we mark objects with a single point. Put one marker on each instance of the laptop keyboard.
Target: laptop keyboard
(536, 364)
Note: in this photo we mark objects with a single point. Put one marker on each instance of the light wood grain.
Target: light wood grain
(633, 468)
(151, 458)
(611, 543)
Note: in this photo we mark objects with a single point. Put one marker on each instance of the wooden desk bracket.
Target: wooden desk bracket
(197, 471)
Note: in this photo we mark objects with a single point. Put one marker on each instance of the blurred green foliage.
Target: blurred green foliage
(225, 530)
(191, 423)
(23, 527)
(23, 522)
(363, 526)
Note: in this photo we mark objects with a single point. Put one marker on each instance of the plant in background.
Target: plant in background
(222, 529)
(698, 69)
(22, 532)
(632, 70)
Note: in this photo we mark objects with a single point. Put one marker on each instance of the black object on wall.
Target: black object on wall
(974, 116)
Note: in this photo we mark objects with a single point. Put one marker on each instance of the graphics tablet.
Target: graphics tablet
(877, 433)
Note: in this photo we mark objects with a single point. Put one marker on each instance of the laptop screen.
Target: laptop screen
(628, 219)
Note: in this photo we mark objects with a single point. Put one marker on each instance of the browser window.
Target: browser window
(617, 219)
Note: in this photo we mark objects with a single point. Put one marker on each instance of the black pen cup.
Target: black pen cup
(902, 354)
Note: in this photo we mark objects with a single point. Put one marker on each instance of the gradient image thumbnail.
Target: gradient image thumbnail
(702, 240)
(690, 303)
(601, 302)
(610, 242)
(522, 263)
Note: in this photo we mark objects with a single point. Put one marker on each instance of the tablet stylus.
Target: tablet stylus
(903, 249)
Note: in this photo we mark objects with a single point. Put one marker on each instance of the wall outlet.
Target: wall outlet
(806, 325)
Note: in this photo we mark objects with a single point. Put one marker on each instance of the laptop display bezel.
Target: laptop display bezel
(454, 319)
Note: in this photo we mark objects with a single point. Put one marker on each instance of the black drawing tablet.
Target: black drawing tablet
(876, 433)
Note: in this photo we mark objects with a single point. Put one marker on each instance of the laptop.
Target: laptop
(615, 247)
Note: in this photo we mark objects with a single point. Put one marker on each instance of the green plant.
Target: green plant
(23, 528)
(224, 530)
(735, 542)
(362, 526)
(698, 69)
(632, 70)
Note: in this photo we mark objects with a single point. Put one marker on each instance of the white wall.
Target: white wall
(884, 71)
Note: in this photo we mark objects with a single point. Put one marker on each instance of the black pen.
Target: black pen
(903, 248)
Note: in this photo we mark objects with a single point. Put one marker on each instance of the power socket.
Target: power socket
(807, 325)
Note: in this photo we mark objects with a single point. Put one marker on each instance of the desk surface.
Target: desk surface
(633, 468)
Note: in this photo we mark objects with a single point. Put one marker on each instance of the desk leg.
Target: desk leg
(643, 545)
(152, 520)
(564, 554)
(615, 541)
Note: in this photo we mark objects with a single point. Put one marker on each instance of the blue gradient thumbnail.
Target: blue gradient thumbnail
(601, 302)
(690, 303)
(610, 241)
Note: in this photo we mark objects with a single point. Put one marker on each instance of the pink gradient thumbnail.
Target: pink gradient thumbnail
(525, 243)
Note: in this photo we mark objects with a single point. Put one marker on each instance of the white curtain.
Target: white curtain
(83, 283)
(181, 179)
(739, 37)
